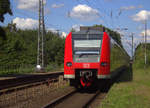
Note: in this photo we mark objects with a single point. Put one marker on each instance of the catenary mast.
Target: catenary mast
(41, 33)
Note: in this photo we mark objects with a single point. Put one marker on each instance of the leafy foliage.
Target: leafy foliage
(4, 9)
(21, 48)
(139, 56)
(115, 35)
(119, 57)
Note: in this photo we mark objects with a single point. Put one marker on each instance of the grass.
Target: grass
(130, 94)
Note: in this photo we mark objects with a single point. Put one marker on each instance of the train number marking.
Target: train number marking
(86, 65)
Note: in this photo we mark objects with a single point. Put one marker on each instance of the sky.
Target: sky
(66, 14)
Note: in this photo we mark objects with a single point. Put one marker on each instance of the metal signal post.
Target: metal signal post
(41, 32)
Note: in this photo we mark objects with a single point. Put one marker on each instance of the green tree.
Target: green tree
(4, 9)
(21, 47)
(12, 27)
(115, 35)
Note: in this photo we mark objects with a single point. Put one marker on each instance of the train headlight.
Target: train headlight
(69, 64)
(103, 63)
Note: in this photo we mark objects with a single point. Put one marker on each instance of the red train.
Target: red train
(87, 56)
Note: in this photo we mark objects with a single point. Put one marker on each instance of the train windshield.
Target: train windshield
(86, 50)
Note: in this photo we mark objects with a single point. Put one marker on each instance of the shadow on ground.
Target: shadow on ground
(122, 74)
(126, 75)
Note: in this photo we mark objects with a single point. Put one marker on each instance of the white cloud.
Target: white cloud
(76, 27)
(27, 23)
(57, 5)
(52, 30)
(55, 31)
(63, 34)
(143, 33)
(122, 32)
(141, 16)
(29, 4)
(127, 42)
(130, 7)
(137, 39)
(84, 13)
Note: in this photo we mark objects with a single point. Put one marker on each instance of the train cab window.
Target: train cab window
(86, 49)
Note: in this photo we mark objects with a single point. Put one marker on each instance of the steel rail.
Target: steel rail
(58, 100)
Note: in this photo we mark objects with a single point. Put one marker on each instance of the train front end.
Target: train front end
(87, 57)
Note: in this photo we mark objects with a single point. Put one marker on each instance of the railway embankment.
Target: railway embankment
(130, 94)
(132, 89)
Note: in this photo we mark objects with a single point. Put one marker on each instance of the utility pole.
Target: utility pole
(41, 33)
(57, 32)
(132, 45)
(145, 41)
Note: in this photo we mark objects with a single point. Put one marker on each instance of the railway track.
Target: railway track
(19, 81)
(17, 84)
(84, 99)
(75, 99)
(29, 88)
(59, 99)
(81, 98)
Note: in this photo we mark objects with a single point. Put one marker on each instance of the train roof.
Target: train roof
(88, 33)
(89, 30)
(91, 34)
